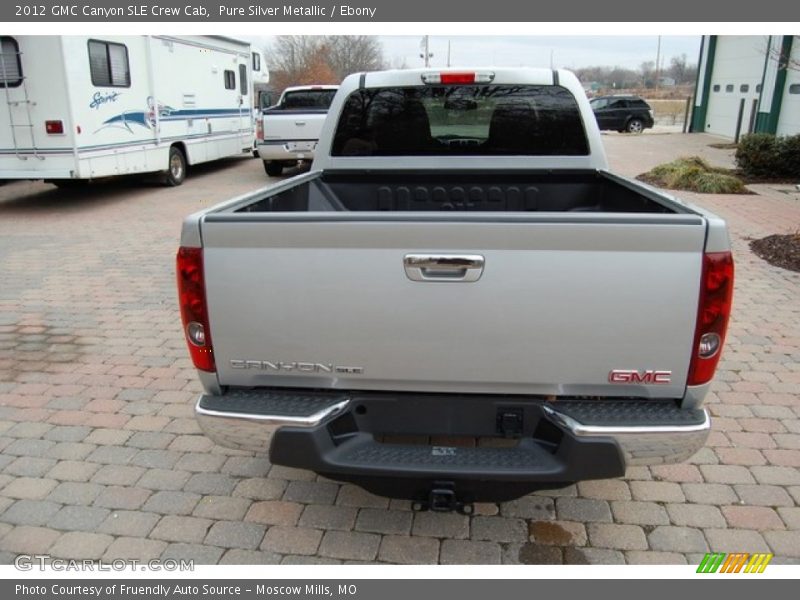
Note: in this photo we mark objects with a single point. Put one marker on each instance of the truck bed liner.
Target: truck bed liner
(586, 191)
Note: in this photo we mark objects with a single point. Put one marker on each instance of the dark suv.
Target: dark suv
(622, 113)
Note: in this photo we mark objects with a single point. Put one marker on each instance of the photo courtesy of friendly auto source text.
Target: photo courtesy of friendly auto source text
(511, 294)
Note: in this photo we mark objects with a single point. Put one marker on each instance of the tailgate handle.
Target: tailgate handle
(444, 267)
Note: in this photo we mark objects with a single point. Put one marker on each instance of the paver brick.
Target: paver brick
(657, 491)
(349, 545)
(530, 507)
(73, 470)
(784, 543)
(320, 516)
(126, 498)
(558, 533)
(200, 554)
(583, 509)
(498, 529)
(175, 528)
(29, 540)
(378, 520)
(733, 540)
(406, 550)
(763, 495)
(677, 539)
(128, 523)
(274, 512)
(162, 479)
(81, 545)
(640, 513)
(238, 556)
(29, 466)
(291, 540)
(134, 548)
(440, 525)
(235, 534)
(612, 535)
(751, 517)
(605, 489)
(29, 488)
(74, 492)
(30, 512)
(217, 484)
(469, 552)
(352, 495)
(695, 515)
(222, 507)
(709, 493)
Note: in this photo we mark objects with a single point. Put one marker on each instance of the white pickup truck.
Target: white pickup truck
(287, 133)
(458, 302)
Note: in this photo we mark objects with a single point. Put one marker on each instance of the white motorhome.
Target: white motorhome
(76, 108)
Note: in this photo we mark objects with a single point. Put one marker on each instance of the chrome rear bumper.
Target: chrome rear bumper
(642, 444)
(250, 431)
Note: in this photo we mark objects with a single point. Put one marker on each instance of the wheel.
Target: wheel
(176, 169)
(273, 168)
(635, 126)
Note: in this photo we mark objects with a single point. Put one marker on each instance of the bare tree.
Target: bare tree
(647, 69)
(307, 59)
(353, 53)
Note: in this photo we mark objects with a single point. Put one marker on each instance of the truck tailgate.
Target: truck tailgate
(293, 125)
(559, 302)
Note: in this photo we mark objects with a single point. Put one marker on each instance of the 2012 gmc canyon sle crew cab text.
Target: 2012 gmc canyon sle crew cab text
(458, 302)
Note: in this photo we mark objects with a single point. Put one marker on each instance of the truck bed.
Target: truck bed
(568, 191)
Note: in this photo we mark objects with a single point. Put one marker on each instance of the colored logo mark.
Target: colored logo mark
(738, 562)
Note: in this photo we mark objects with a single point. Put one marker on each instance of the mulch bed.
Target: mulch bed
(779, 250)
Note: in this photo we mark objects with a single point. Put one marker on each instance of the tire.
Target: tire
(635, 126)
(176, 167)
(273, 168)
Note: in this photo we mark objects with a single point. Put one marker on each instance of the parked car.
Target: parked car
(622, 113)
(459, 301)
(287, 133)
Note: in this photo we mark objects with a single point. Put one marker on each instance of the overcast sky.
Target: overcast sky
(535, 51)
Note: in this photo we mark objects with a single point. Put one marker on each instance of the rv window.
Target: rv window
(243, 80)
(256, 61)
(230, 80)
(108, 64)
(10, 66)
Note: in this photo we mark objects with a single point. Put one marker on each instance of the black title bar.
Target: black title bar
(711, 11)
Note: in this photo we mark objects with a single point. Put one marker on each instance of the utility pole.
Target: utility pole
(658, 62)
(448, 53)
(426, 55)
(551, 60)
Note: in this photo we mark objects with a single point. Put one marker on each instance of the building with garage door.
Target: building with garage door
(747, 82)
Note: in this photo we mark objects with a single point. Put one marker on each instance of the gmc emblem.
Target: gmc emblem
(648, 377)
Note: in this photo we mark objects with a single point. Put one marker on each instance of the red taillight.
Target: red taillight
(458, 78)
(194, 311)
(259, 129)
(54, 127)
(436, 78)
(716, 296)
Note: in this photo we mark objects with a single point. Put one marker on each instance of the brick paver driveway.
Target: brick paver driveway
(101, 457)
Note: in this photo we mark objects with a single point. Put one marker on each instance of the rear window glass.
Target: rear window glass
(444, 120)
(308, 99)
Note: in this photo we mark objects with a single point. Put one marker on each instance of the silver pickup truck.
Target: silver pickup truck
(458, 302)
